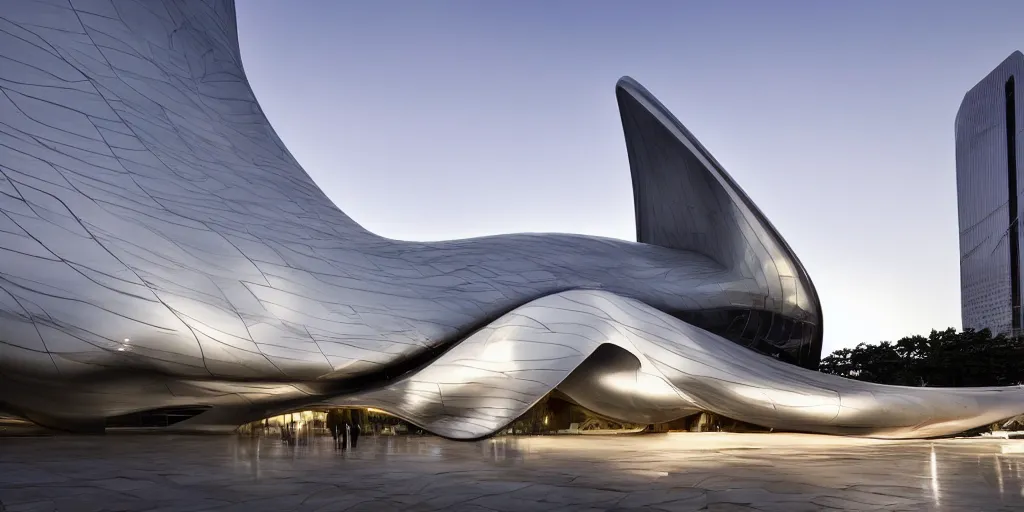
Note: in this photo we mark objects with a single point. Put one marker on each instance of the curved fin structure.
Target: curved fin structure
(685, 200)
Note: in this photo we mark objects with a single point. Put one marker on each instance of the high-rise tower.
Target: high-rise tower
(988, 185)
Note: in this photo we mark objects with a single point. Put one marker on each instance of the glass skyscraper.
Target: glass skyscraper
(988, 184)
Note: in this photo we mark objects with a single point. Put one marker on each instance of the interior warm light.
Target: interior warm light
(1011, 448)
(377, 411)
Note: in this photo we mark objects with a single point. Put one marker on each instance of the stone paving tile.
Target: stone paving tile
(36, 506)
(665, 499)
(666, 473)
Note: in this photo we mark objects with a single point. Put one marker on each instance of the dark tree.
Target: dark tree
(945, 358)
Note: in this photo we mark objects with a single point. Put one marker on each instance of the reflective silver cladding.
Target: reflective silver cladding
(159, 247)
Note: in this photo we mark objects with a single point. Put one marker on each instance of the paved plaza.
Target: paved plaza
(667, 472)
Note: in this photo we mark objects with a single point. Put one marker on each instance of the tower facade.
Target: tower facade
(989, 181)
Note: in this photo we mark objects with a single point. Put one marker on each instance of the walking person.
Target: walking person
(332, 425)
(344, 419)
(357, 420)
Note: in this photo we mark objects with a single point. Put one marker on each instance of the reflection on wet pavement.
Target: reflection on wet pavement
(783, 472)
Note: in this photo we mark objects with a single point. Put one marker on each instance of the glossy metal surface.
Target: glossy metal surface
(982, 194)
(661, 369)
(160, 247)
(685, 200)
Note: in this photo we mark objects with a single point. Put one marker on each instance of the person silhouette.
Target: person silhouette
(333, 425)
(345, 424)
(357, 420)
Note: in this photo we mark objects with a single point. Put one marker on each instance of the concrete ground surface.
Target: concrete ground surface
(661, 472)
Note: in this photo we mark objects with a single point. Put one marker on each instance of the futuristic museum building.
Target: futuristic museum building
(160, 247)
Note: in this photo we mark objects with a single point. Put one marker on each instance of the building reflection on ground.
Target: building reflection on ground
(673, 471)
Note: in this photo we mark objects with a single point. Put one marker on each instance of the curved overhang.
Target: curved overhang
(658, 368)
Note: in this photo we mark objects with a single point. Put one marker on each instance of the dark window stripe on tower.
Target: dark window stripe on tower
(1011, 181)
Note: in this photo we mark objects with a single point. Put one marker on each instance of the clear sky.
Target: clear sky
(450, 119)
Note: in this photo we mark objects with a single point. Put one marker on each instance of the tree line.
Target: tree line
(942, 359)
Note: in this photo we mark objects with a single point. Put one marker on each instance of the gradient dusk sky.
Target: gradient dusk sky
(450, 119)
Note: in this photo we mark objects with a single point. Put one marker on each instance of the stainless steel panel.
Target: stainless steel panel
(159, 247)
(667, 369)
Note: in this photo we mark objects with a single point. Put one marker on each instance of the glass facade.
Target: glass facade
(555, 413)
(988, 168)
